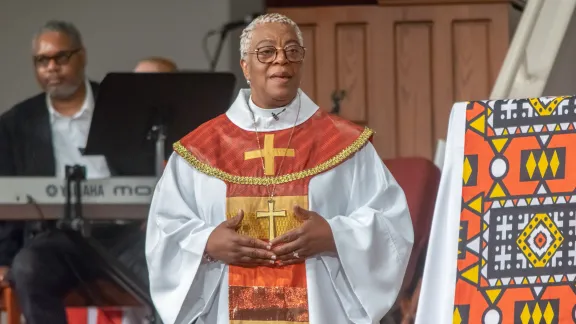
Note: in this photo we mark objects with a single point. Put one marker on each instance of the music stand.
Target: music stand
(136, 111)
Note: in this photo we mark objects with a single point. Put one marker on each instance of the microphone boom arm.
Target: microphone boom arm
(223, 32)
(214, 61)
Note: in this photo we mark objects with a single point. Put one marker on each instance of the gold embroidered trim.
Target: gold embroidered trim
(225, 176)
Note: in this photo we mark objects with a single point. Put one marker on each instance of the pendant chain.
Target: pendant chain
(271, 192)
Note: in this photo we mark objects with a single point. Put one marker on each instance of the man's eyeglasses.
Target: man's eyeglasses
(267, 54)
(61, 58)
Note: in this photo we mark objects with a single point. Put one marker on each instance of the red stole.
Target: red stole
(275, 294)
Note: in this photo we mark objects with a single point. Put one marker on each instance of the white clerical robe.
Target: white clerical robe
(360, 199)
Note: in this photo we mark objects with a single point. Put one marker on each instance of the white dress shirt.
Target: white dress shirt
(69, 137)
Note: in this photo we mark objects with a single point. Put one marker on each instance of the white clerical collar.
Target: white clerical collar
(240, 113)
(87, 105)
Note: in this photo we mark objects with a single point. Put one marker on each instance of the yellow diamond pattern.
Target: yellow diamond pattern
(525, 316)
(549, 314)
(459, 240)
(537, 314)
(543, 164)
(550, 160)
(532, 225)
(554, 163)
(531, 165)
(457, 319)
(467, 170)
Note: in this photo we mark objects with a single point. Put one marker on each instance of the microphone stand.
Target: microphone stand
(223, 33)
(73, 219)
(158, 134)
(221, 40)
(337, 97)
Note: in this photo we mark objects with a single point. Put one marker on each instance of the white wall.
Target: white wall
(239, 9)
(116, 34)
(562, 79)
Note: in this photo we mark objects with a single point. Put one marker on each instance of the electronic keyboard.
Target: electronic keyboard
(36, 198)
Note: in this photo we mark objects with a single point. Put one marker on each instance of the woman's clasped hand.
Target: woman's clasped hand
(314, 236)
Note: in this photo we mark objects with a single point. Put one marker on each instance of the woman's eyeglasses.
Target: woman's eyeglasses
(61, 58)
(267, 54)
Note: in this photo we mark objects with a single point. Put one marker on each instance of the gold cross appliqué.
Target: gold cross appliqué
(269, 152)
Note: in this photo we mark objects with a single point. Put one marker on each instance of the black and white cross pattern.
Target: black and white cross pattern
(504, 256)
(519, 112)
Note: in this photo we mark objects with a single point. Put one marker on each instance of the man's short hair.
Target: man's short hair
(63, 27)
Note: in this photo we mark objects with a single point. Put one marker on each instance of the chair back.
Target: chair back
(419, 178)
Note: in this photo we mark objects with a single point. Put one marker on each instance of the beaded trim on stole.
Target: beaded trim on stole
(225, 176)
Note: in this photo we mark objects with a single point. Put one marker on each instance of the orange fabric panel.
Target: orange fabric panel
(269, 303)
(286, 276)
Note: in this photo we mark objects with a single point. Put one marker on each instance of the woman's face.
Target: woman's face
(275, 82)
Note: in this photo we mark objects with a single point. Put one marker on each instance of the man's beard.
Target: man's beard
(63, 91)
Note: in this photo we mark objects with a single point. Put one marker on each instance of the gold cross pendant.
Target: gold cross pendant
(270, 214)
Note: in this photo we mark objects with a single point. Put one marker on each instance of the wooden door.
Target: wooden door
(341, 48)
(440, 55)
(402, 67)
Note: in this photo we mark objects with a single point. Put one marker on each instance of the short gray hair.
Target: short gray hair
(63, 27)
(246, 37)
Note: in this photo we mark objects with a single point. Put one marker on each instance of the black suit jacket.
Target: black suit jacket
(26, 150)
(26, 138)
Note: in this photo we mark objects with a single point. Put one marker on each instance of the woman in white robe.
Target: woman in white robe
(356, 236)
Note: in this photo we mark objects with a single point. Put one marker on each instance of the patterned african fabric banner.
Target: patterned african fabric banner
(516, 247)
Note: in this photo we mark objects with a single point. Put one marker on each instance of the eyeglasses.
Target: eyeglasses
(268, 54)
(61, 58)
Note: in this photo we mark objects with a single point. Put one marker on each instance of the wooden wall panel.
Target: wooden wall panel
(351, 70)
(309, 74)
(413, 62)
(471, 59)
(317, 3)
(441, 2)
(403, 66)
(469, 43)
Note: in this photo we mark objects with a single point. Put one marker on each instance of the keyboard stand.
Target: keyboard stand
(78, 231)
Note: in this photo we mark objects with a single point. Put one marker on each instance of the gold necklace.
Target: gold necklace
(271, 192)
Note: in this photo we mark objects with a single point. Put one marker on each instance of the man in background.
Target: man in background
(39, 137)
(155, 65)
